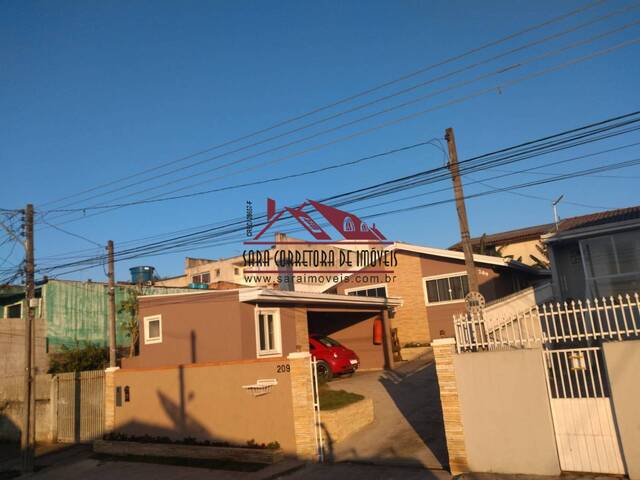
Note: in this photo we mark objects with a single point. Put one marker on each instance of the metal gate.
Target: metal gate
(315, 395)
(80, 406)
(579, 393)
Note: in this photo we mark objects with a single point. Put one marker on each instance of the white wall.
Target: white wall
(505, 412)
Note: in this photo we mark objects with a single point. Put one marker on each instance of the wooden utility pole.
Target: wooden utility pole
(28, 414)
(112, 306)
(462, 211)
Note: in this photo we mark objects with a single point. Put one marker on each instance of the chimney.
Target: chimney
(285, 272)
(280, 237)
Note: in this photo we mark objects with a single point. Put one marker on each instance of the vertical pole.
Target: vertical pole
(462, 210)
(112, 307)
(388, 345)
(26, 443)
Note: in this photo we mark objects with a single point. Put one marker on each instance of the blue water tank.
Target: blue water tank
(142, 274)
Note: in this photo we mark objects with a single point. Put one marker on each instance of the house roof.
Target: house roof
(510, 236)
(269, 295)
(600, 218)
(565, 225)
(595, 224)
(445, 253)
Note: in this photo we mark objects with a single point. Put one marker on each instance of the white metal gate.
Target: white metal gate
(579, 393)
(315, 393)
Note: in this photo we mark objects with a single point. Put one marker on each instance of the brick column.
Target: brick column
(302, 329)
(444, 351)
(110, 399)
(303, 413)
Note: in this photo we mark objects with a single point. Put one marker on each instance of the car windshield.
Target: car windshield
(327, 342)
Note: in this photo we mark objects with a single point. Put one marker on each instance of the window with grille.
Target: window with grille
(201, 278)
(612, 263)
(268, 337)
(375, 291)
(446, 289)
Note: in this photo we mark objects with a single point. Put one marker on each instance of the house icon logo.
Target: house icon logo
(350, 226)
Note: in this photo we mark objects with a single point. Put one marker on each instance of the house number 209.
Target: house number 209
(283, 368)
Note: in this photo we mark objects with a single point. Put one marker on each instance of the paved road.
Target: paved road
(408, 428)
(350, 471)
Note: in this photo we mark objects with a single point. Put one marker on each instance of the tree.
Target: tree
(129, 306)
(79, 358)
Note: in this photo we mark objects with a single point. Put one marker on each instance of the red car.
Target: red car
(333, 358)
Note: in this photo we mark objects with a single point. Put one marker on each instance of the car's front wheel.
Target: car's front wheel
(324, 371)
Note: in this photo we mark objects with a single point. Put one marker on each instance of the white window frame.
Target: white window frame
(277, 332)
(439, 277)
(146, 321)
(368, 287)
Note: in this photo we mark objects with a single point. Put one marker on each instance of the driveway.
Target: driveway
(408, 429)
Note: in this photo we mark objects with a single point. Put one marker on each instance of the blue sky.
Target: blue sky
(92, 92)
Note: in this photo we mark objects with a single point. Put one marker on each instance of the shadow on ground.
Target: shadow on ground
(408, 429)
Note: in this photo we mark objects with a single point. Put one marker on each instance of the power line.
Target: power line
(500, 70)
(126, 255)
(247, 184)
(459, 100)
(515, 153)
(348, 98)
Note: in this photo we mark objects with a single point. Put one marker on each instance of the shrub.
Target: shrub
(79, 358)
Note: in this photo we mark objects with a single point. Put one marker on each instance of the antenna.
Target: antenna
(555, 210)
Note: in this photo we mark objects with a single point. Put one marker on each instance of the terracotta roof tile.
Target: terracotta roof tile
(571, 223)
(600, 218)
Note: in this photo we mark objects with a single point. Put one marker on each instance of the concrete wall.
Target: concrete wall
(622, 360)
(505, 412)
(12, 346)
(11, 394)
(504, 309)
(208, 402)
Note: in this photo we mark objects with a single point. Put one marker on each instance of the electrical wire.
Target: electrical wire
(348, 98)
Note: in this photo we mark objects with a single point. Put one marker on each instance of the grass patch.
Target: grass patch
(184, 462)
(334, 399)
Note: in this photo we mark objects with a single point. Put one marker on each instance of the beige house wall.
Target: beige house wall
(180, 281)
(522, 251)
(208, 402)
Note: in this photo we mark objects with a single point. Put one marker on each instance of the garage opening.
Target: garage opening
(354, 330)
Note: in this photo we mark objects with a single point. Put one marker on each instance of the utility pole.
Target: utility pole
(112, 306)
(462, 211)
(28, 414)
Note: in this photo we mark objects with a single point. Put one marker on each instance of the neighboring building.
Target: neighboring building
(250, 323)
(229, 273)
(70, 313)
(432, 284)
(596, 255)
(522, 244)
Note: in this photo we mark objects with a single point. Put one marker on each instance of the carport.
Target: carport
(353, 329)
(348, 319)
